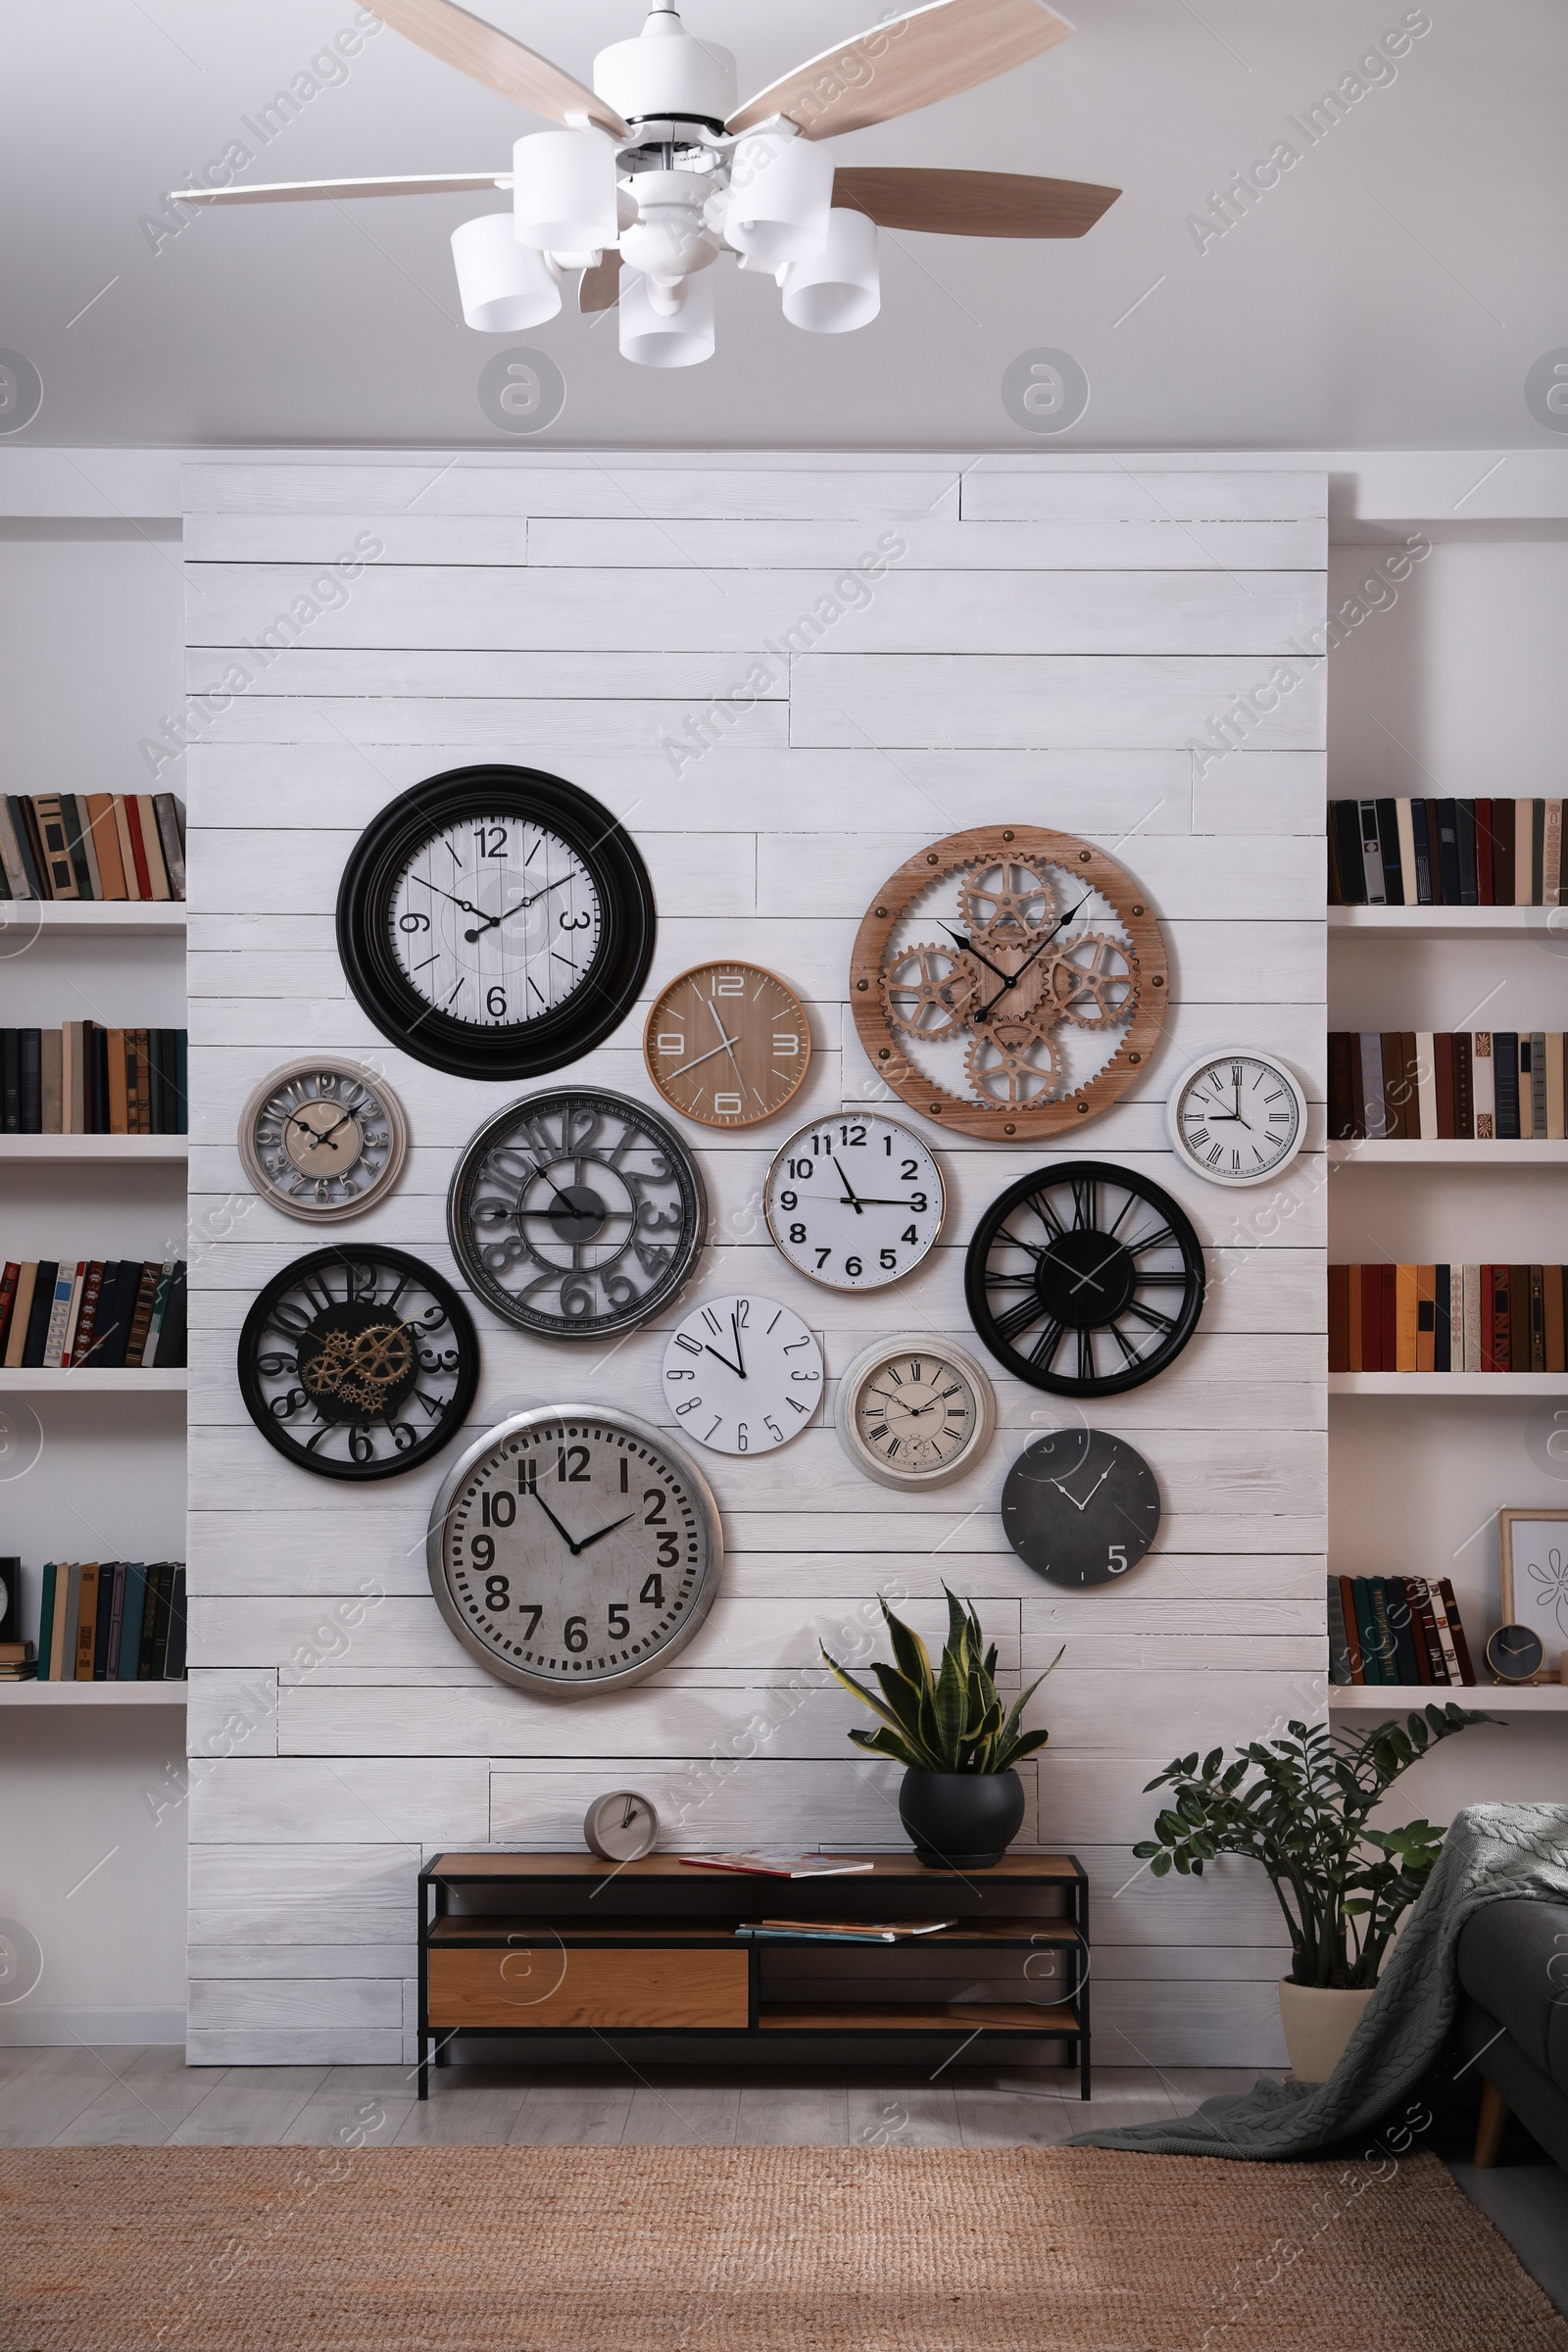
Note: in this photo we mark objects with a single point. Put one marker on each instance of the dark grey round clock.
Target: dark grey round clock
(1080, 1506)
(577, 1213)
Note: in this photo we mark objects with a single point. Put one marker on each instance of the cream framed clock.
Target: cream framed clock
(914, 1412)
(727, 1045)
(322, 1139)
(1009, 981)
(1237, 1116)
(854, 1200)
(742, 1375)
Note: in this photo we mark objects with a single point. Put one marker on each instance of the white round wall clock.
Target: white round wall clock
(854, 1201)
(322, 1139)
(742, 1375)
(1237, 1117)
(913, 1411)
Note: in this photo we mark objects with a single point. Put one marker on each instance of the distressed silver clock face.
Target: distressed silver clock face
(574, 1549)
(1236, 1118)
(854, 1200)
(914, 1412)
(322, 1139)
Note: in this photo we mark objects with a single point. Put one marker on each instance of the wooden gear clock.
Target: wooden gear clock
(1009, 981)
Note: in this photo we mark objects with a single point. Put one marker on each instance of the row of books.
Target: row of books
(92, 845)
(112, 1621)
(1490, 1085)
(1445, 852)
(83, 1079)
(107, 1314)
(1447, 1320)
(1396, 1628)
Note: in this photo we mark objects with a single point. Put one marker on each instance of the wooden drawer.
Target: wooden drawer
(542, 1984)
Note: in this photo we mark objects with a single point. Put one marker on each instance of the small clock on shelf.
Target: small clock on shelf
(622, 1827)
(727, 1045)
(913, 1411)
(323, 1138)
(854, 1201)
(1515, 1654)
(1080, 1507)
(1237, 1117)
(742, 1375)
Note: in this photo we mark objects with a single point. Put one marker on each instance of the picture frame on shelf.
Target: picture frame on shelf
(1533, 1556)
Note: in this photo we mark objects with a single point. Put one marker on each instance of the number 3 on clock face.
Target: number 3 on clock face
(1235, 1117)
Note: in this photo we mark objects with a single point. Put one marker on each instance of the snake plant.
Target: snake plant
(951, 1720)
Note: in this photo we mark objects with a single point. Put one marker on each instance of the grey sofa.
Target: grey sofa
(1513, 1968)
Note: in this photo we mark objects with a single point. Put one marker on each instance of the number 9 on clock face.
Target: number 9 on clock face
(854, 1201)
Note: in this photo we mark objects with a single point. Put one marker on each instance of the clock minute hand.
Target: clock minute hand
(465, 904)
(1056, 926)
(701, 1058)
(849, 1196)
(572, 1547)
(493, 922)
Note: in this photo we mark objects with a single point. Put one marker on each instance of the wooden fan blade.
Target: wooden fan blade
(971, 204)
(600, 289)
(486, 54)
(911, 60)
(320, 191)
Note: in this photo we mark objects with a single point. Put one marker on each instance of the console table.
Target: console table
(564, 1946)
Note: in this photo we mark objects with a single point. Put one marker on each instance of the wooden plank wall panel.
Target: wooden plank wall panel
(1043, 641)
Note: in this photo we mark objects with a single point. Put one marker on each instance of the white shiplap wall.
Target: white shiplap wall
(1041, 653)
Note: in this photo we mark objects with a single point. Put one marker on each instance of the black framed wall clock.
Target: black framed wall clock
(574, 1549)
(576, 1213)
(1085, 1278)
(1080, 1507)
(495, 922)
(358, 1363)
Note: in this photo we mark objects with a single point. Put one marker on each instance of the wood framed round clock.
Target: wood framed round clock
(323, 1138)
(1237, 1117)
(1085, 1278)
(1009, 981)
(572, 1549)
(854, 1200)
(1080, 1507)
(914, 1412)
(727, 1044)
(495, 922)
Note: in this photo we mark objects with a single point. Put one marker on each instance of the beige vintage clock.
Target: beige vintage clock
(1009, 981)
(727, 1045)
(322, 1139)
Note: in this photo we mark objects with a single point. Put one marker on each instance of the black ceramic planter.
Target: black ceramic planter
(961, 1820)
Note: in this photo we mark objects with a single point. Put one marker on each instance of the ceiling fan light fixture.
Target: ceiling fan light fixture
(504, 286)
(666, 325)
(665, 73)
(780, 191)
(563, 191)
(840, 288)
(670, 237)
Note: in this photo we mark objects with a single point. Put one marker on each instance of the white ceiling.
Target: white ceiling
(1392, 291)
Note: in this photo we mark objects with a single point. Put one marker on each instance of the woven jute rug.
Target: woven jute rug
(769, 2249)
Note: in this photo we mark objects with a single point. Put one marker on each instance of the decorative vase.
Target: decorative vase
(1318, 2022)
(961, 1820)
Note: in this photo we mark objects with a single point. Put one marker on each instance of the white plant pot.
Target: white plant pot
(1318, 2023)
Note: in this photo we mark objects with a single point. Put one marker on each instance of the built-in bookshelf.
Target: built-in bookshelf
(1405, 1698)
(93, 1695)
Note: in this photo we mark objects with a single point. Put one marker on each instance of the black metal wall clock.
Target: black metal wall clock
(495, 922)
(576, 1213)
(1085, 1279)
(358, 1363)
(1080, 1506)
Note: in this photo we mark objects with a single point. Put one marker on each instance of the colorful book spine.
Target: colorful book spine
(1475, 852)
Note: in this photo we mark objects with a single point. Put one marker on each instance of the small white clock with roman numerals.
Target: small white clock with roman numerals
(914, 1412)
(1237, 1117)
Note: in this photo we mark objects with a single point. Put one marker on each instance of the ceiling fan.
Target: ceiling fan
(656, 172)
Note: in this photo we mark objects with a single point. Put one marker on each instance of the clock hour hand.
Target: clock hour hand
(493, 922)
(985, 1009)
(1090, 1496)
(850, 1199)
(324, 1135)
(600, 1534)
(968, 948)
(465, 904)
(729, 1042)
(724, 1360)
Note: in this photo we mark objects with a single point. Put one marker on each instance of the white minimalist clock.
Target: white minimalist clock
(1237, 1117)
(322, 1139)
(742, 1375)
(914, 1412)
(854, 1201)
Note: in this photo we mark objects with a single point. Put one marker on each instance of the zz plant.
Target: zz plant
(952, 1720)
(1342, 1886)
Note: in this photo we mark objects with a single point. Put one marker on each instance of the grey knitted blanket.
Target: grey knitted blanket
(1490, 1852)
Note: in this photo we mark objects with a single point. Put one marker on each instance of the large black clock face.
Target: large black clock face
(495, 922)
(576, 1214)
(358, 1365)
(1080, 1507)
(1085, 1279)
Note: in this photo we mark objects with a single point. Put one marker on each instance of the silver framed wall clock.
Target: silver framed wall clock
(914, 1412)
(571, 1548)
(742, 1375)
(854, 1200)
(1237, 1116)
(322, 1139)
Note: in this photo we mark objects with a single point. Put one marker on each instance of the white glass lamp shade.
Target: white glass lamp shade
(780, 190)
(839, 289)
(563, 190)
(667, 327)
(503, 286)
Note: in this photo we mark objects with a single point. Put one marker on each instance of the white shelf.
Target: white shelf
(93, 1695)
(85, 1382)
(1451, 922)
(1401, 1698)
(152, 917)
(1449, 1152)
(142, 1147)
(1500, 1385)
